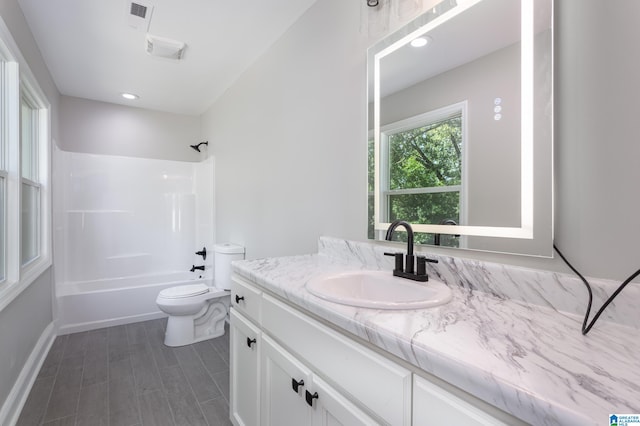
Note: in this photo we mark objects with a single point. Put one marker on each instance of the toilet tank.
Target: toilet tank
(224, 254)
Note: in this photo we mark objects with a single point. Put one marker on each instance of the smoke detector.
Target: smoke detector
(138, 14)
(164, 47)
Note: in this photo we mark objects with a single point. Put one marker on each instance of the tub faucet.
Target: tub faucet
(194, 267)
(407, 271)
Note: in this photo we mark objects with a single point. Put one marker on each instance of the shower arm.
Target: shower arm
(197, 147)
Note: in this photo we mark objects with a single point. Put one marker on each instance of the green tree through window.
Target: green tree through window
(423, 166)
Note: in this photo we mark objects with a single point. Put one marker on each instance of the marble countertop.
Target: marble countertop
(528, 360)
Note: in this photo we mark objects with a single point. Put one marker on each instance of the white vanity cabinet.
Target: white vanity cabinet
(293, 395)
(371, 381)
(246, 299)
(288, 368)
(434, 405)
(245, 344)
(334, 409)
(283, 382)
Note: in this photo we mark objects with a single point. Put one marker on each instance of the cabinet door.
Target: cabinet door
(284, 381)
(368, 378)
(333, 409)
(433, 405)
(245, 347)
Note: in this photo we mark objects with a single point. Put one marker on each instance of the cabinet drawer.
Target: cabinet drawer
(433, 404)
(246, 298)
(367, 377)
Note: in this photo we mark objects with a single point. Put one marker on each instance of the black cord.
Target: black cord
(585, 327)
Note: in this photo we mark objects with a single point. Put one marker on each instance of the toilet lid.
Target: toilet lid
(184, 291)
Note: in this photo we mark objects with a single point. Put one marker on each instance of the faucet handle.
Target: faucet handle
(202, 253)
(422, 264)
(421, 267)
(399, 262)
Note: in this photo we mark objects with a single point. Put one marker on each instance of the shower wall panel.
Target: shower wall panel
(124, 216)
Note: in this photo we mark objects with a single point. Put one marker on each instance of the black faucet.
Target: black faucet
(202, 253)
(436, 237)
(194, 267)
(407, 270)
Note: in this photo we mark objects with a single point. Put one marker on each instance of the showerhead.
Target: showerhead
(197, 147)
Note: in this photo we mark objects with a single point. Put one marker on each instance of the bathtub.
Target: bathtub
(95, 304)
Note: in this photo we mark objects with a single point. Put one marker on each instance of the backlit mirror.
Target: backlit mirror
(460, 127)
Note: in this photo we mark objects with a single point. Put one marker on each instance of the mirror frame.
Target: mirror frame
(422, 25)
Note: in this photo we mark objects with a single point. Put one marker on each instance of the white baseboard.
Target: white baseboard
(10, 411)
(94, 325)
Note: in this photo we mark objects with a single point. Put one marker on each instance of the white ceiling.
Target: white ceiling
(484, 28)
(93, 53)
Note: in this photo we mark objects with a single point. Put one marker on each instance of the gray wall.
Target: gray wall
(21, 324)
(290, 139)
(23, 321)
(14, 19)
(597, 152)
(103, 128)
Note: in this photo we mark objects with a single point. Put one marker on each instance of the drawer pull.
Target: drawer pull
(309, 397)
(250, 341)
(239, 298)
(295, 384)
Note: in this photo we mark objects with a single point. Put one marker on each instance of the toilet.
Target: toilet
(198, 311)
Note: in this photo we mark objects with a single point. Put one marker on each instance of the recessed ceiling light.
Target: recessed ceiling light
(420, 41)
(130, 96)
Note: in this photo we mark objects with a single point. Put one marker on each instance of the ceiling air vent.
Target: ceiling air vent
(164, 47)
(138, 10)
(138, 14)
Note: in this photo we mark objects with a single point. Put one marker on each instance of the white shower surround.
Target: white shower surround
(125, 229)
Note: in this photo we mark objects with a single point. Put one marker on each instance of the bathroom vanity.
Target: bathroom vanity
(289, 368)
(480, 359)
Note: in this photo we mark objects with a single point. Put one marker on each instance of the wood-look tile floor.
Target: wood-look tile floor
(125, 376)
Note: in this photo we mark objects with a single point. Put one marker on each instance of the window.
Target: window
(3, 208)
(30, 187)
(422, 172)
(25, 216)
(4, 78)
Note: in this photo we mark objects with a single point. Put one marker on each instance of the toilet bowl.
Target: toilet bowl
(198, 312)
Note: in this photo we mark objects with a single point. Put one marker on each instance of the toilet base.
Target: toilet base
(207, 324)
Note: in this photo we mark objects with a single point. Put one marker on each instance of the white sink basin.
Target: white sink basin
(379, 290)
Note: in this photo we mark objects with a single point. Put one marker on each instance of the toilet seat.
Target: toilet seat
(183, 291)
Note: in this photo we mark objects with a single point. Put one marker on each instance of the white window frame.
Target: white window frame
(16, 80)
(4, 174)
(33, 181)
(421, 120)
